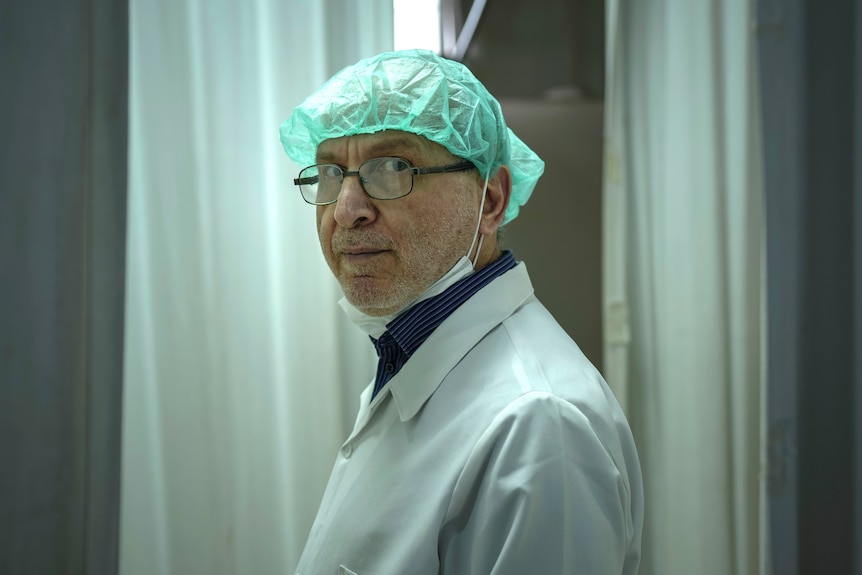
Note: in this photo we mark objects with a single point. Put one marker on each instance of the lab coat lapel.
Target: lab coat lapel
(450, 342)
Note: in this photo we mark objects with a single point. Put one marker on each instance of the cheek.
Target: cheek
(447, 226)
(324, 227)
(321, 213)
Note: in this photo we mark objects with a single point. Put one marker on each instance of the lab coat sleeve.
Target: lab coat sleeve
(540, 493)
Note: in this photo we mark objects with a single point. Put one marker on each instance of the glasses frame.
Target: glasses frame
(414, 171)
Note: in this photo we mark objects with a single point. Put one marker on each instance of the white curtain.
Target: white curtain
(682, 275)
(241, 374)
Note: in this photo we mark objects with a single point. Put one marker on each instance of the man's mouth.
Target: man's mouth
(358, 251)
(361, 254)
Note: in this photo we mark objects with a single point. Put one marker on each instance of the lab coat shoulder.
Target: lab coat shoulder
(547, 359)
(551, 482)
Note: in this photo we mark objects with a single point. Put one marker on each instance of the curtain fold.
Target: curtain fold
(811, 78)
(242, 375)
(683, 258)
(62, 269)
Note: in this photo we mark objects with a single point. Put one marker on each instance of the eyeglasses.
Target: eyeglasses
(381, 178)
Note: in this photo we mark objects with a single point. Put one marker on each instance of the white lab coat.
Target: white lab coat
(498, 448)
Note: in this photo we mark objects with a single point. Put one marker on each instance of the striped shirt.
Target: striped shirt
(408, 331)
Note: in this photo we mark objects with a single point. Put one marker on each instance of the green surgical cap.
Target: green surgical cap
(419, 92)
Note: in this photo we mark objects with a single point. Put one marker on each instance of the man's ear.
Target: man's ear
(496, 201)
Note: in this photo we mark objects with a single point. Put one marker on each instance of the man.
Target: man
(487, 442)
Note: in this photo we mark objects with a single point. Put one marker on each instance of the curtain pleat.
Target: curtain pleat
(811, 88)
(62, 275)
(682, 275)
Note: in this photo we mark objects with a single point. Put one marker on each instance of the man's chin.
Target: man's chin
(373, 308)
(371, 302)
(379, 296)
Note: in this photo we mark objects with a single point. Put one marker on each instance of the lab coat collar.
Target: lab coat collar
(420, 377)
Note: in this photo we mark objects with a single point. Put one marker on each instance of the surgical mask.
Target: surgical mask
(375, 326)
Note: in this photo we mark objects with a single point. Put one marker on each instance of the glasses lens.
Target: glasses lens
(386, 178)
(320, 184)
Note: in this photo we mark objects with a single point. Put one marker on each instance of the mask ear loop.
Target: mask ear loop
(478, 224)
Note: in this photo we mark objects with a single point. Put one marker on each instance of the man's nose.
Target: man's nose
(354, 207)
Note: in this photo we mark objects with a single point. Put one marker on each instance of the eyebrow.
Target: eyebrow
(395, 145)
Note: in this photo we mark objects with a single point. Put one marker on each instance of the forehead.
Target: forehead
(387, 143)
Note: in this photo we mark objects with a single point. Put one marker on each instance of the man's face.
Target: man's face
(385, 253)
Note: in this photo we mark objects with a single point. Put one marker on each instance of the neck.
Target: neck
(490, 252)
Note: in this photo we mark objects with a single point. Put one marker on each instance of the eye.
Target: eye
(327, 171)
(392, 165)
